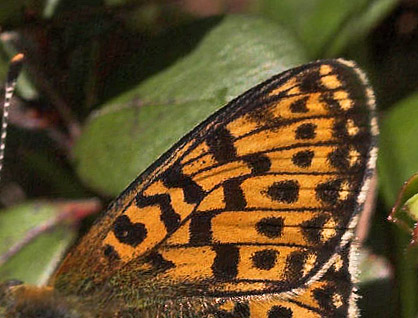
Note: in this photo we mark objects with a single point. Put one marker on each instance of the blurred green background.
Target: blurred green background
(109, 85)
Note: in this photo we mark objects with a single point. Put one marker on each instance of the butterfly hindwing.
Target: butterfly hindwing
(258, 200)
(333, 295)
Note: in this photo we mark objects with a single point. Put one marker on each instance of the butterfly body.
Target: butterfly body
(251, 215)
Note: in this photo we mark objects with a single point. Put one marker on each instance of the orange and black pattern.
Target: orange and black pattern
(329, 296)
(252, 214)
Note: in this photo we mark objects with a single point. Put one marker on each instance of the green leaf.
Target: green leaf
(398, 151)
(37, 259)
(325, 27)
(412, 207)
(405, 211)
(397, 161)
(358, 25)
(133, 130)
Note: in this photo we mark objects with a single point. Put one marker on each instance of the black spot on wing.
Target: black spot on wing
(128, 232)
(286, 191)
(332, 105)
(312, 228)
(328, 192)
(303, 159)
(158, 262)
(264, 116)
(305, 131)
(280, 312)
(310, 81)
(294, 266)
(324, 297)
(265, 259)
(225, 265)
(221, 145)
(339, 159)
(242, 310)
(299, 106)
(201, 229)
(272, 227)
(233, 195)
(258, 163)
(110, 253)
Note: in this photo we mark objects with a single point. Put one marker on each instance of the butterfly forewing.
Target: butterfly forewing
(260, 200)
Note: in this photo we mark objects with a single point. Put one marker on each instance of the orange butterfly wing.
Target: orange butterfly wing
(260, 199)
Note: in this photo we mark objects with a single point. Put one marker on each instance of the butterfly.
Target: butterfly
(250, 215)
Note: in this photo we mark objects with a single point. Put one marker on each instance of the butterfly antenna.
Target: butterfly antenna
(9, 87)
